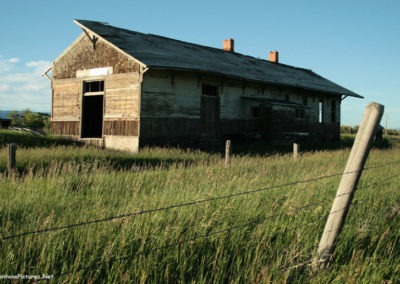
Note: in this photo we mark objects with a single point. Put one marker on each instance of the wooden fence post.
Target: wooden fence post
(348, 184)
(12, 149)
(228, 152)
(296, 150)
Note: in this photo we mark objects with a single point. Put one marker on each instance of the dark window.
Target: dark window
(93, 86)
(333, 111)
(300, 113)
(256, 112)
(209, 90)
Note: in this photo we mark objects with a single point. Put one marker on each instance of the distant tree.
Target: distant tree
(15, 117)
(29, 119)
(47, 123)
(32, 119)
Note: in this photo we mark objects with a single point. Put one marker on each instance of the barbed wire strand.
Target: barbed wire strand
(256, 221)
(141, 212)
(353, 203)
(191, 203)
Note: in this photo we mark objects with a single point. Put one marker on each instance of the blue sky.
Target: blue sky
(353, 43)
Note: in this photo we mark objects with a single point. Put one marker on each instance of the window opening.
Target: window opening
(256, 112)
(321, 111)
(93, 87)
(300, 113)
(209, 90)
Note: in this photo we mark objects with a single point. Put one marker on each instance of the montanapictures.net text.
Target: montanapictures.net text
(26, 277)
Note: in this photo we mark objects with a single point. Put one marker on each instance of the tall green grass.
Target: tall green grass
(263, 236)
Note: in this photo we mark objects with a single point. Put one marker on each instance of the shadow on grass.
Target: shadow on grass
(115, 160)
(90, 163)
(153, 158)
(27, 140)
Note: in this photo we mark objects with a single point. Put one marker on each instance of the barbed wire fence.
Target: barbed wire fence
(185, 204)
(256, 221)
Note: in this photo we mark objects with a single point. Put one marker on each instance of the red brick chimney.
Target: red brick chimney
(274, 56)
(229, 45)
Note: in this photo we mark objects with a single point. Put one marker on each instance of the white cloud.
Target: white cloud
(22, 85)
(6, 65)
(13, 60)
(4, 87)
(40, 66)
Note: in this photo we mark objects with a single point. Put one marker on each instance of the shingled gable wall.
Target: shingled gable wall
(122, 89)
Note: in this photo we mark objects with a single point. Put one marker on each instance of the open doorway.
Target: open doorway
(92, 109)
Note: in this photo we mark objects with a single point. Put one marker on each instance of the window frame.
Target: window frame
(89, 85)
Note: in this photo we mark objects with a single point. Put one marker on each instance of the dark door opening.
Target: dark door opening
(92, 116)
(209, 112)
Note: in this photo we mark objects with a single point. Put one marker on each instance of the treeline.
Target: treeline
(345, 129)
(30, 119)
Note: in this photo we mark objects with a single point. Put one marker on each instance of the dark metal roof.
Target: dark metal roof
(160, 52)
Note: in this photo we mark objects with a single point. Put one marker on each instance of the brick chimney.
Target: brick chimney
(274, 56)
(229, 45)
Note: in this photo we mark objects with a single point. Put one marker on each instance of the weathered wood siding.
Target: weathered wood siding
(67, 98)
(122, 96)
(66, 107)
(171, 109)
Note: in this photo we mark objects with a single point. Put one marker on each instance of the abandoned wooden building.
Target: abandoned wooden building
(126, 89)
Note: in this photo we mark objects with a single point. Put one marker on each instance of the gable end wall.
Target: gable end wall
(121, 99)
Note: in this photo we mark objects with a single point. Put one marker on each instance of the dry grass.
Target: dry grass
(253, 237)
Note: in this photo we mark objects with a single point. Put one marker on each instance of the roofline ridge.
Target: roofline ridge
(220, 52)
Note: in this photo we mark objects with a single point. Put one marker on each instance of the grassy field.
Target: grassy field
(259, 220)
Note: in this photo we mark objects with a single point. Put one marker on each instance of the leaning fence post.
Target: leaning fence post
(228, 152)
(12, 149)
(348, 184)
